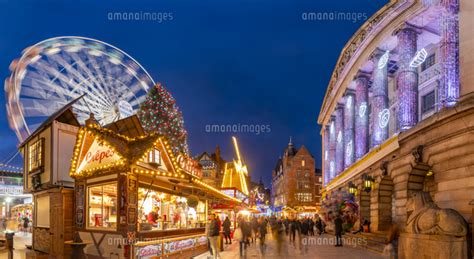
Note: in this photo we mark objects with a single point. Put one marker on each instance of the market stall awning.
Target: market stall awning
(285, 208)
(254, 211)
(215, 191)
(306, 209)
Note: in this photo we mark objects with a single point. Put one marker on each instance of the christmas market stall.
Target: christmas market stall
(135, 196)
(234, 183)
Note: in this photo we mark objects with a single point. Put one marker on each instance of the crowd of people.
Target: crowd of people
(253, 230)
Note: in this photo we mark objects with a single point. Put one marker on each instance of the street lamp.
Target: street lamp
(352, 188)
(368, 182)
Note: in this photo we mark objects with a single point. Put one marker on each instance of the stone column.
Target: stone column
(339, 138)
(326, 159)
(449, 58)
(332, 148)
(407, 78)
(362, 115)
(379, 101)
(349, 123)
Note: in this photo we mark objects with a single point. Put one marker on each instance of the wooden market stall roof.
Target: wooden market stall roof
(130, 127)
(130, 153)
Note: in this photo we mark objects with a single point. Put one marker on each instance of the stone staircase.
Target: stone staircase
(374, 241)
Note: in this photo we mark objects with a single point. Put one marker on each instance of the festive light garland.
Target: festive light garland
(383, 60)
(11, 166)
(419, 58)
(96, 131)
(160, 114)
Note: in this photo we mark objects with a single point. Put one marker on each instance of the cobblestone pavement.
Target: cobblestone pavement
(319, 247)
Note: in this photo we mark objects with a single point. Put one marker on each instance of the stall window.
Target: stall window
(102, 206)
(164, 211)
(35, 155)
(154, 157)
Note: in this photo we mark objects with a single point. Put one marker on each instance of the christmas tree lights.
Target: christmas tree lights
(160, 115)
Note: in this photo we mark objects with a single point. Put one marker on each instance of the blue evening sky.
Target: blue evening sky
(225, 62)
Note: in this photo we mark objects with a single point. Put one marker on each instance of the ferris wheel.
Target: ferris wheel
(56, 71)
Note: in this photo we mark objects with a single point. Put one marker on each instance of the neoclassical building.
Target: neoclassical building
(398, 115)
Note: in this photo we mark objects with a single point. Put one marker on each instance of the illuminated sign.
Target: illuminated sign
(149, 251)
(98, 155)
(326, 155)
(180, 245)
(339, 137)
(189, 165)
(11, 189)
(229, 192)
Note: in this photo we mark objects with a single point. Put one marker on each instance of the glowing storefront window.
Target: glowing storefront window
(102, 201)
(35, 155)
(163, 211)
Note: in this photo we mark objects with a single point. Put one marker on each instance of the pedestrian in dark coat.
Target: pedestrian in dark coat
(311, 227)
(338, 230)
(304, 236)
(226, 229)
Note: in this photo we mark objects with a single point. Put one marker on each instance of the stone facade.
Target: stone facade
(429, 146)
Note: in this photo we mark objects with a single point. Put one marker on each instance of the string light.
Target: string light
(160, 114)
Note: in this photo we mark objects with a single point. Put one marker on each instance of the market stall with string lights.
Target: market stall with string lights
(134, 195)
(235, 184)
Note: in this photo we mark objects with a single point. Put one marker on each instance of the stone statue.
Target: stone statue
(428, 218)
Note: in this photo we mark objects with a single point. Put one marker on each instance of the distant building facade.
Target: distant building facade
(212, 166)
(294, 182)
(318, 186)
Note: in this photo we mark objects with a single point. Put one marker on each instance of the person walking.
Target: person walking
(391, 246)
(213, 235)
(262, 232)
(254, 229)
(245, 233)
(305, 227)
(311, 227)
(279, 236)
(292, 231)
(4, 223)
(319, 226)
(298, 232)
(287, 224)
(26, 225)
(338, 230)
(226, 229)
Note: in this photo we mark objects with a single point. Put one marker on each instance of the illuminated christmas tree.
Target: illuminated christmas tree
(159, 114)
